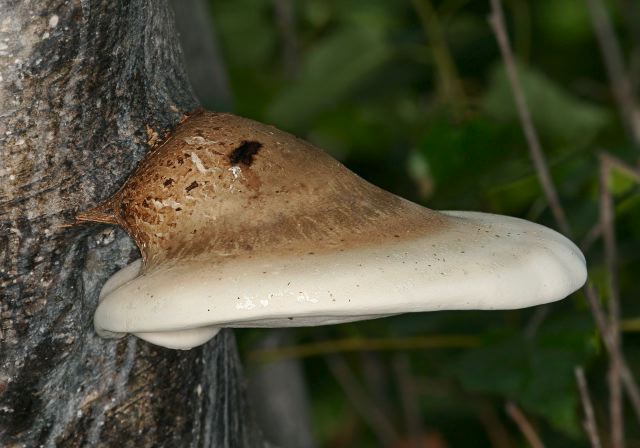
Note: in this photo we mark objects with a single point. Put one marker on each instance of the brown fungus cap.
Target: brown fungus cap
(232, 186)
(241, 224)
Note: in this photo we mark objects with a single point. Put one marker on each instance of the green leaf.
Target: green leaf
(557, 114)
(241, 22)
(628, 205)
(332, 70)
(567, 21)
(621, 182)
(476, 152)
(538, 374)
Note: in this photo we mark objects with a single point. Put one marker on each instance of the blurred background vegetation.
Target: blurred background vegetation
(412, 95)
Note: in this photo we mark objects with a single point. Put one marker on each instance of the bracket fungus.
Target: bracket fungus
(243, 225)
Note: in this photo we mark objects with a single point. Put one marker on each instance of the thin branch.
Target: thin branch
(608, 164)
(614, 162)
(616, 70)
(496, 19)
(409, 398)
(375, 379)
(285, 19)
(497, 22)
(526, 428)
(539, 315)
(357, 344)
(614, 375)
(631, 325)
(594, 233)
(619, 370)
(630, 10)
(493, 426)
(444, 63)
(616, 409)
(370, 413)
(589, 423)
(613, 350)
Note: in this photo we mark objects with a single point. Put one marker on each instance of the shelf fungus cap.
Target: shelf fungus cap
(243, 225)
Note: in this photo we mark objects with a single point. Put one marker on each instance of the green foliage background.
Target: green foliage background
(412, 95)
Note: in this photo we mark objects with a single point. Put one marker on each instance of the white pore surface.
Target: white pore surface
(179, 339)
(481, 261)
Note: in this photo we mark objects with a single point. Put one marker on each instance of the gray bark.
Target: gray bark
(83, 85)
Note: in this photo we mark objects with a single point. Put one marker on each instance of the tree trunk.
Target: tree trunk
(84, 87)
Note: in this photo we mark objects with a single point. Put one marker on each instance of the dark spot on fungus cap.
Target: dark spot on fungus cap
(191, 186)
(244, 153)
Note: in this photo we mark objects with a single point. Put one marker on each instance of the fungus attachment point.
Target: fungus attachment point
(101, 213)
(243, 225)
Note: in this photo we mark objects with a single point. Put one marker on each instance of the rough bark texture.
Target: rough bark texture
(84, 85)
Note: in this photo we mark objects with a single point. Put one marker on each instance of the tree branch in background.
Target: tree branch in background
(611, 335)
(450, 85)
(285, 19)
(409, 398)
(370, 413)
(630, 11)
(618, 165)
(600, 318)
(526, 428)
(280, 397)
(493, 426)
(497, 22)
(616, 70)
(589, 423)
(496, 19)
(607, 222)
(360, 344)
(375, 380)
(204, 63)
